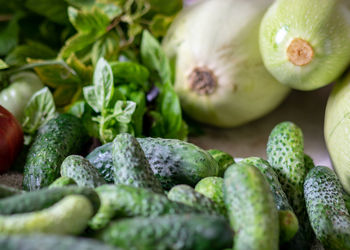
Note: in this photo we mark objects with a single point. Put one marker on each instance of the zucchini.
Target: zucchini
(326, 208)
(60, 137)
(81, 171)
(288, 221)
(184, 232)
(131, 166)
(68, 216)
(188, 196)
(44, 198)
(126, 201)
(49, 242)
(251, 208)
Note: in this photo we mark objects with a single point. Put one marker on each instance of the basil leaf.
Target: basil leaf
(103, 83)
(88, 21)
(9, 36)
(33, 50)
(166, 7)
(160, 24)
(39, 110)
(126, 72)
(154, 57)
(91, 99)
(110, 9)
(106, 47)
(84, 72)
(77, 109)
(54, 10)
(3, 65)
(124, 110)
(81, 3)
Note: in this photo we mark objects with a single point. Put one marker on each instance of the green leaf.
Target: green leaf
(34, 50)
(124, 110)
(110, 9)
(154, 57)
(90, 98)
(77, 109)
(78, 42)
(104, 85)
(160, 25)
(54, 10)
(9, 36)
(3, 65)
(81, 3)
(139, 98)
(88, 21)
(106, 47)
(39, 110)
(130, 72)
(166, 7)
(84, 72)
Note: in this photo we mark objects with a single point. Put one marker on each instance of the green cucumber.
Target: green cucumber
(68, 216)
(184, 232)
(44, 198)
(81, 171)
(101, 158)
(223, 159)
(326, 208)
(50, 242)
(251, 208)
(187, 195)
(60, 137)
(288, 221)
(6, 191)
(62, 182)
(131, 165)
(347, 200)
(126, 201)
(211, 187)
(172, 161)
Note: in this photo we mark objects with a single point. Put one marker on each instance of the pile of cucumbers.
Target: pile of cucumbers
(152, 193)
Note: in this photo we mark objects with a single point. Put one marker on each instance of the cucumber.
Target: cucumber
(44, 198)
(6, 191)
(172, 161)
(211, 187)
(81, 171)
(62, 182)
(169, 232)
(326, 208)
(131, 166)
(178, 162)
(49, 242)
(188, 196)
(251, 208)
(68, 216)
(223, 159)
(309, 163)
(126, 201)
(288, 221)
(347, 200)
(60, 137)
(285, 153)
(101, 158)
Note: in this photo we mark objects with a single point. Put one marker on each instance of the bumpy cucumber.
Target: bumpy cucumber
(60, 137)
(187, 195)
(223, 159)
(169, 232)
(126, 201)
(288, 221)
(68, 216)
(211, 187)
(178, 162)
(49, 242)
(131, 165)
(62, 182)
(6, 191)
(347, 200)
(101, 158)
(44, 198)
(81, 171)
(309, 163)
(326, 208)
(285, 153)
(251, 208)
(172, 161)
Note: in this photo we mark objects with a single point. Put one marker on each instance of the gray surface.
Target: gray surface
(306, 109)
